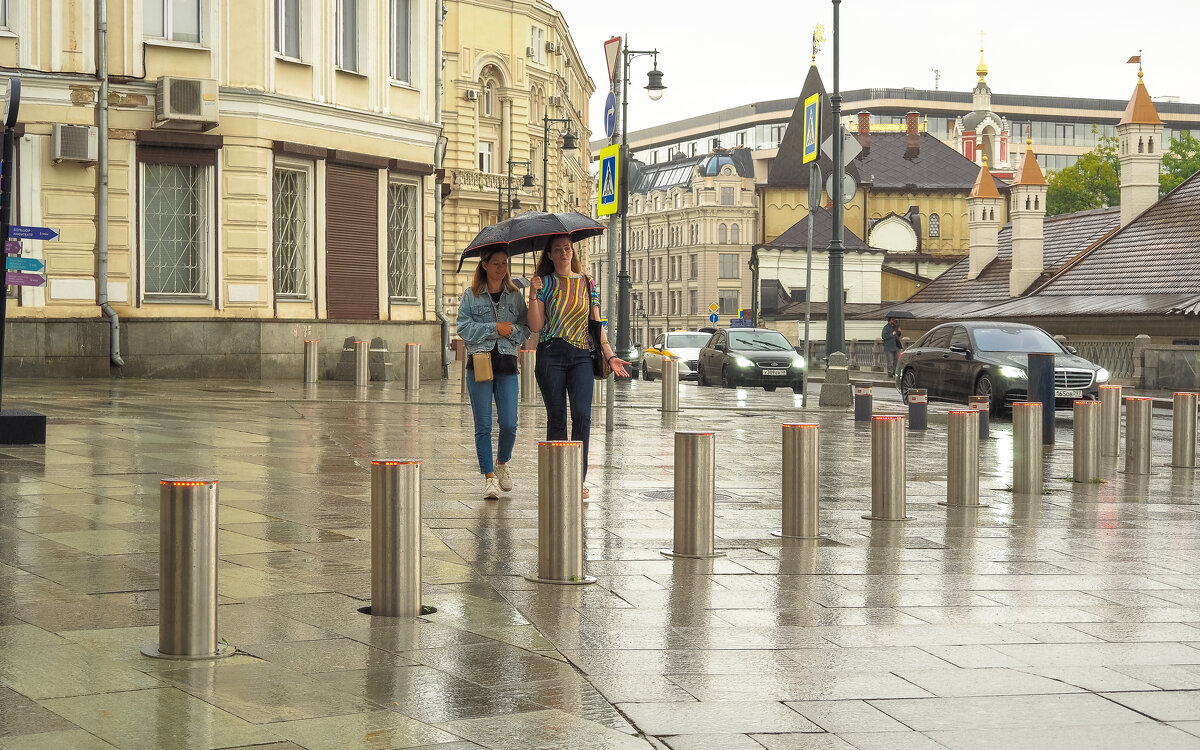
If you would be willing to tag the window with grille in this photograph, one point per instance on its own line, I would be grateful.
(287, 28)
(726, 196)
(727, 301)
(935, 225)
(176, 229)
(292, 241)
(176, 20)
(400, 57)
(403, 213)
(727, 266)
(347, 48)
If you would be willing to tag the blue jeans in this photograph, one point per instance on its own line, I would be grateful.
(563, 370)
(503, 390)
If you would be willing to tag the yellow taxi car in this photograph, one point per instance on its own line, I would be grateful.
(682, 345)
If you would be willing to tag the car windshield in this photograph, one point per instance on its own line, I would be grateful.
(686, 340)
(1015, 340)
(759, 341)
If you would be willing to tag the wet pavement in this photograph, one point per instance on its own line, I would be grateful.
(1069, 620)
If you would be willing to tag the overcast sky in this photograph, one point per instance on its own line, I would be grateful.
(715, 55)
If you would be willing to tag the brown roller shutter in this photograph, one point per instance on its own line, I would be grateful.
(352, 242)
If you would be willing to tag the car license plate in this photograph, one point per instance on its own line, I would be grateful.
(774, 372)
(1068, 393)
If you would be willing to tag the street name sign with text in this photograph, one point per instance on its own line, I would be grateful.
(18, 232)
(16, 278)
(23, 264)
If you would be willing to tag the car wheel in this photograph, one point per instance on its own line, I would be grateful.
(985, 387)
(646, 371)
(908, 383)
(798, 389)
(769, 388)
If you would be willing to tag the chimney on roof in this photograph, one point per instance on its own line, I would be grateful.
(912, 138)
(864, 130)
(1028, 211)
(982, 223)
(1139, 134)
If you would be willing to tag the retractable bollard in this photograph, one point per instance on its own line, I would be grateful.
(598, 393)
(1137, 434)
(560, 514)
(311, 358)
(1183, 431)
(801, 481)
(1085, 459)
(187, 562)
(983, 406)
(1110, 420)
(528, 382)
(918, 409)
(362, 369)
(1041, 390)
(1027, 448)
(888, 488)
(862, 403)
(395, 539)
(412, 367)
(670, 384)
(962, 466)
(695, 496)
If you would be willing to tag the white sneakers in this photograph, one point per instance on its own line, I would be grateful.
(504, 477)
(491, 488)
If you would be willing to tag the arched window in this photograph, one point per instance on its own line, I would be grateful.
(722, 234)
(1027, 203)
(935, 225)
(1141, 146)
(735, 234)
(1150, 146)
(488, 102)
(1035, 202)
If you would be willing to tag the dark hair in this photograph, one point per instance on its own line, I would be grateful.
(545, 266)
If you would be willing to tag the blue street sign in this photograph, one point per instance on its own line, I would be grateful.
(713, 318)
(739, 323)
(31, 233)
(24, 264)
(610, 115)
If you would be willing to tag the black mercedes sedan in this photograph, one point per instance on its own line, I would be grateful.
(755, 357)
(958, 360)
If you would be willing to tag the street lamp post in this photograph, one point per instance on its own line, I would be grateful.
(835, 323)
(654, 88)
(504, 193)
(568, 144)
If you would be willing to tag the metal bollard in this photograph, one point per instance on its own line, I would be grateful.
(695, 495)
(888, 488)
(1137, 434)
(395, 538)
(1110, 420)
(362, 370)
(1085, 460)
(801, 481)
(1041, 390)
(1027, 448)
(560, 513)
(412, 367)
(187, 562)
(311, 358)
(918, 409)
(982, 405)
(462, 381)
(862, 403)
(598, 393)
(1183, 431)
(670, 384)
(528, 383)
(962, 467)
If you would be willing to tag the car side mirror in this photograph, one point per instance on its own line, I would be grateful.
(1072, 350)
(960, 349)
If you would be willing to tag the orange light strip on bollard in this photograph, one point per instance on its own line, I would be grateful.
(1138, 398)
(311, 341)
(888, 416)
(1088, 401)
(805, 424)
(175, 483)
(559, 442)
(962, 411)
(407, 462)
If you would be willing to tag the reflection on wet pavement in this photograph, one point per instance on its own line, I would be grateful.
(1066, 620)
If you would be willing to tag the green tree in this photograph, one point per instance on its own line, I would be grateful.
(1093, 181)
(1180, 161)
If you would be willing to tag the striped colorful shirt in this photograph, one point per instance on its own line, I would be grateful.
(567, 309)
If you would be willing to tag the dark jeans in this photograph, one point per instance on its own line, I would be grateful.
(891, 357)
(563, 370)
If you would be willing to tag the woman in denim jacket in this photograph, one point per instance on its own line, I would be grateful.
(493, 317)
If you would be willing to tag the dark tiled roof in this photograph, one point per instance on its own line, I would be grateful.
(937, 166)
(788, 169)
(796, 236)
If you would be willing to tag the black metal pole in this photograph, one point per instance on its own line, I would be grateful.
(6, 186)
(623, 288)
(835, 324)
(545, 159)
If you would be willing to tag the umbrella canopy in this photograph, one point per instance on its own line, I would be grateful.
(527, 232)
(896, 313)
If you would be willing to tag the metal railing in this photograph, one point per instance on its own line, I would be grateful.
(1114, 356)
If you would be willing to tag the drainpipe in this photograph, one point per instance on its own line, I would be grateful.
(439, 158)
(114, 341)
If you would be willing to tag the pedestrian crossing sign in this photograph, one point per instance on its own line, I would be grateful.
(811, 127)
(610, 189)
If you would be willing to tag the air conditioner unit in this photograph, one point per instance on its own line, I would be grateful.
(73, 142)
(530, 51)
(551, 47)
(554, 101)
(186, 103)
(471, 95)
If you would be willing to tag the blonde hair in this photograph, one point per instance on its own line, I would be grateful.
(479, 281)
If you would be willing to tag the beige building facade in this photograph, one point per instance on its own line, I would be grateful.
(270, 177)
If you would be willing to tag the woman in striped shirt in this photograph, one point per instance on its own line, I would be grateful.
(561, 299)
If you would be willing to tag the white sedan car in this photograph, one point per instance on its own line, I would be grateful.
(682, 345)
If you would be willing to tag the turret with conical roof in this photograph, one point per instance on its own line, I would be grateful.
(1028, 211)
(984, 203)
(1139, 136)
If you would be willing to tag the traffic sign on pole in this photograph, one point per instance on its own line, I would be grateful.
(609, 181)
(16, 278)
(713, 307)
(23, 264)
(850, 146)
(713, 318)
(18, 232)
(612, 52)
(610, 115)
(811, 127)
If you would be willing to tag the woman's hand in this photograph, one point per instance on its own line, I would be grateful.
(504, 329)
(535, 286)
(618, 366)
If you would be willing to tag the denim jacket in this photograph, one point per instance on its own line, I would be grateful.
(477, 319)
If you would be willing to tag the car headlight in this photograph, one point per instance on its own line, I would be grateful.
(1012, 372)
(1102, 375)
(798, 362)
(742, 362)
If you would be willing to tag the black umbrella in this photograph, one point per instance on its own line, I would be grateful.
(527, 232)
(900, 314)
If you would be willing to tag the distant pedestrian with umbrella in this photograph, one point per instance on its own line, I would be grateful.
(891, 344)
(561, 301)
(493, 321)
